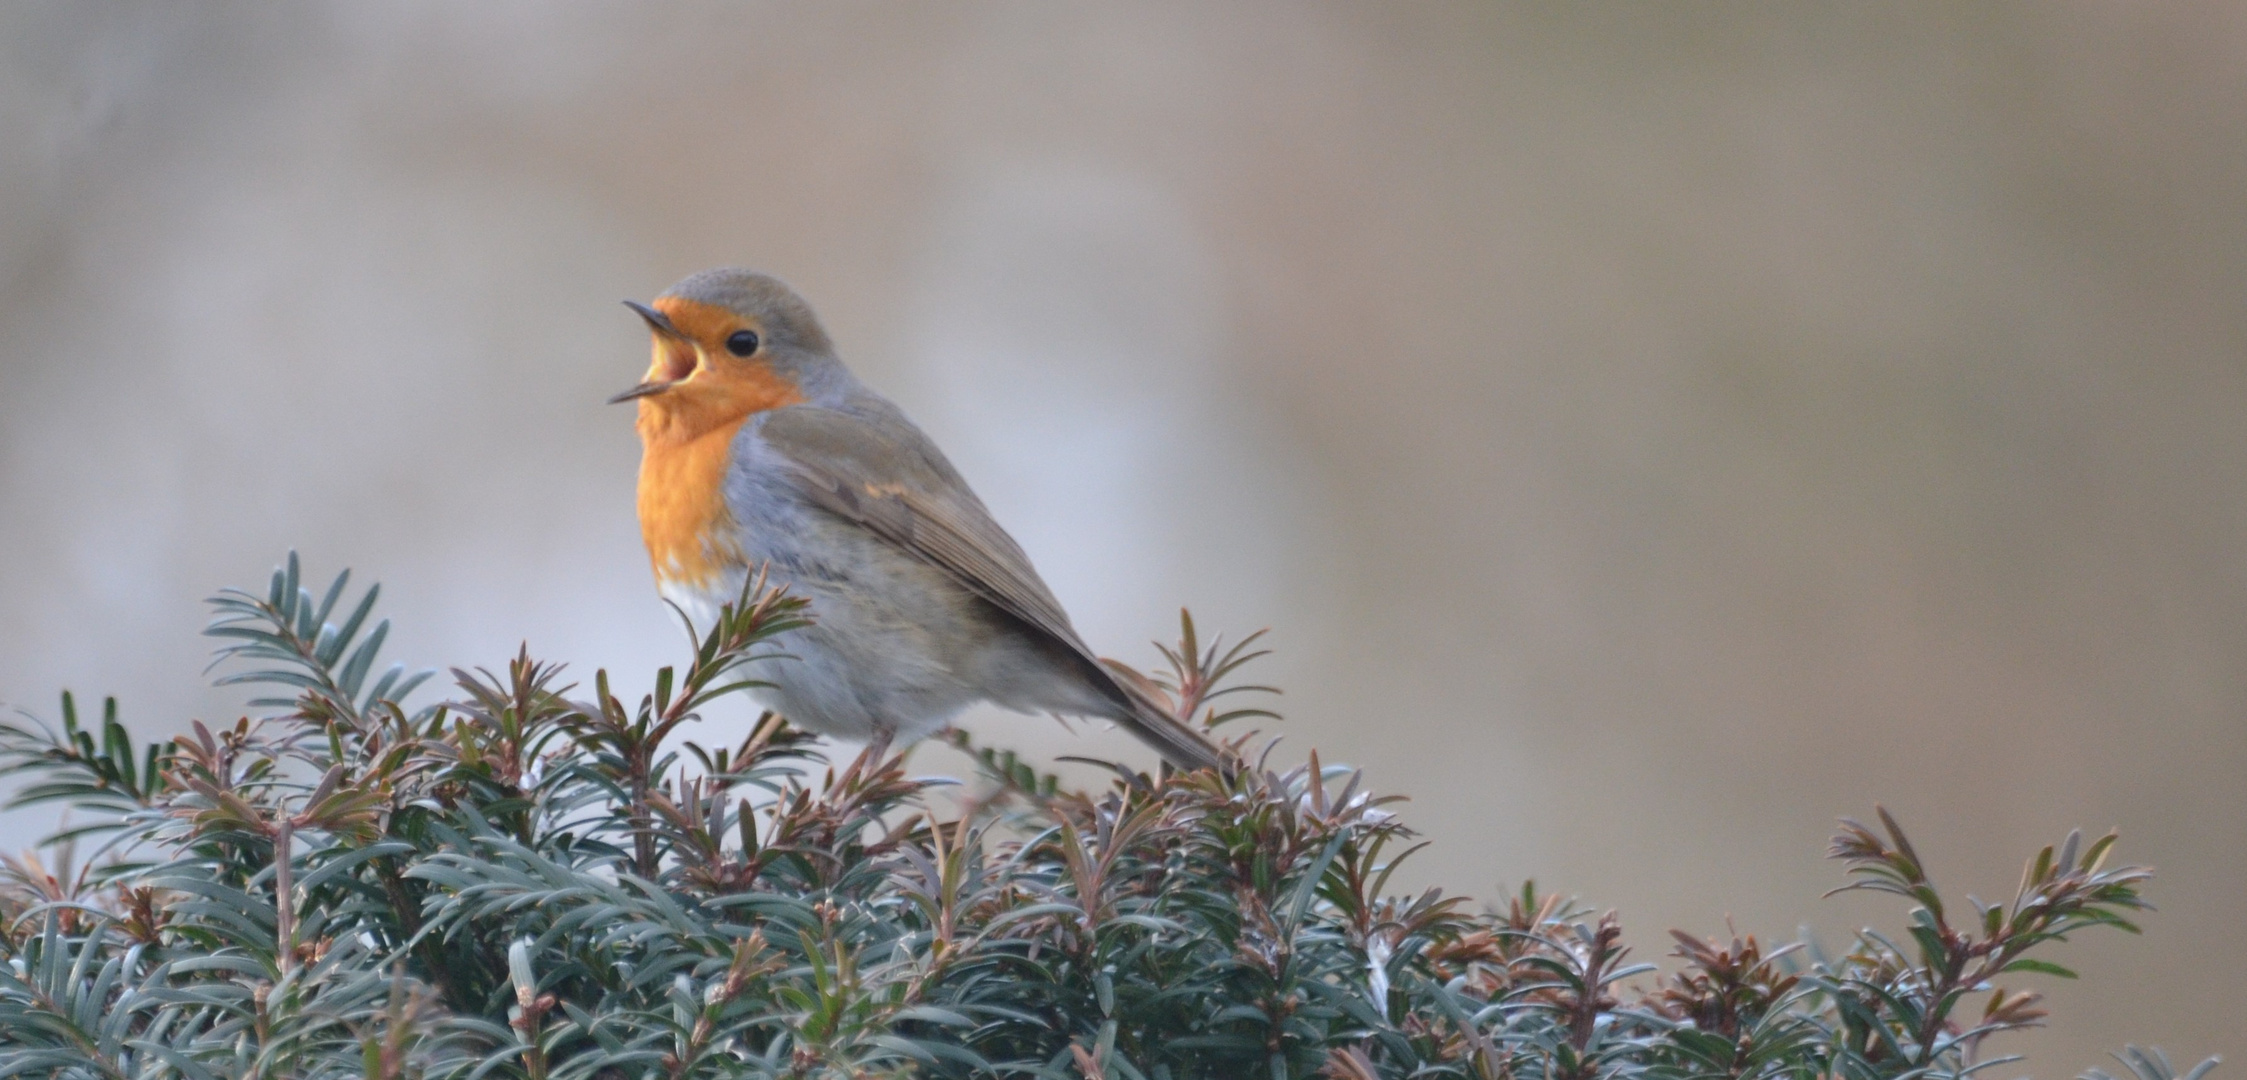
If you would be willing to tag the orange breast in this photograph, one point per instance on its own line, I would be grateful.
(686, 435)
(683, 515)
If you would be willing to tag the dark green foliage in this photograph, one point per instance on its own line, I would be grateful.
(521, 883)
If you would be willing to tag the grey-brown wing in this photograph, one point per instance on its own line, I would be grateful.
(873, 467)
(884, 474)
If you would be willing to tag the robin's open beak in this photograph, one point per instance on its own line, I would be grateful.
(678, 354)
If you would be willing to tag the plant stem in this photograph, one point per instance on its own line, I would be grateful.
(284, 893)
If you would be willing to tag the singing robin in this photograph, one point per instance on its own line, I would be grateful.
(761, 449)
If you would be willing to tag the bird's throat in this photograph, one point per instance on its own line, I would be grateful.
(686, 439)
(683, 515)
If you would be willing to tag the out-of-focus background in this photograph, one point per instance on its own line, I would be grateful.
(1650, 432)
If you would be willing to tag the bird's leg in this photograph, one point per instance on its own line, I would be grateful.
(878, 747)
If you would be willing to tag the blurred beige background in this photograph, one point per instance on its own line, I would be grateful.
(1651, 432)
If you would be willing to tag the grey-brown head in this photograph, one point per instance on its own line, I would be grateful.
(727, 343)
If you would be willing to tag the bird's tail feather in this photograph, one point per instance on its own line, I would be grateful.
(1150, 718)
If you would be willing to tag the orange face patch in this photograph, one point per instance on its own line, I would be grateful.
(686, 436)
(710, 387)
(707, 324)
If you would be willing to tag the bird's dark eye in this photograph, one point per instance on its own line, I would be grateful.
(742, 342)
